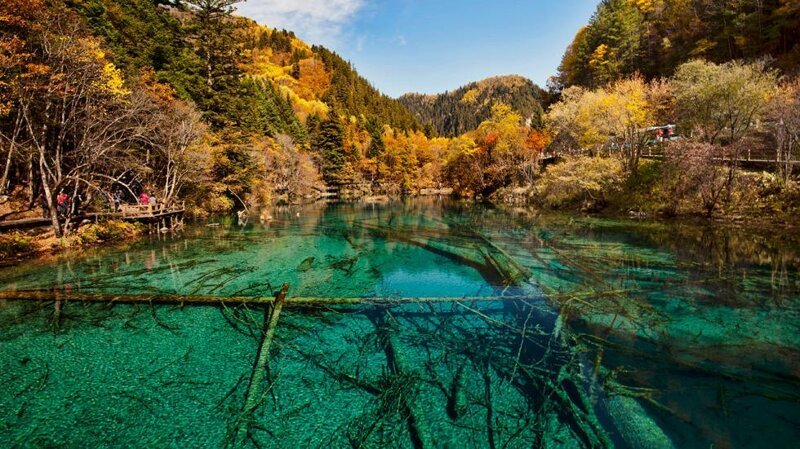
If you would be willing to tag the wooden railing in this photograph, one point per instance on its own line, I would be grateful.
(138, 210)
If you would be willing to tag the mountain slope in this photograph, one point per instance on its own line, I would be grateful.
(653, 37)
(154, 33)
(462, 110)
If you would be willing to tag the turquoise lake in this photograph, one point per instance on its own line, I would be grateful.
(423, 323)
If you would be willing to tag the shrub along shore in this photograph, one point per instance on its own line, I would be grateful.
(19, 245)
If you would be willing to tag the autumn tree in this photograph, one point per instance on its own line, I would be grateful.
(613, 118)
(18, 20)
(234, 168)
(530, 156)
(501, 141)
(722, 101)
(783, 122)
(170, 132)
(81, 126)
(75, 108)
(496, 160)
(691, 171)
(577, 115)
(290, 171)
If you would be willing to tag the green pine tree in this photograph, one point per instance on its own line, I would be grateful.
(376, 145)
(329, 142)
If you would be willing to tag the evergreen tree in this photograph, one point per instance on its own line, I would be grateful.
(376, 145)
(329, 142)
(296, 70)
(212, 32)
(213, 27)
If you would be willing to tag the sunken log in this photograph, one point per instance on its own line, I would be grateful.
(170, 298)
(418, 428)
(255, 394)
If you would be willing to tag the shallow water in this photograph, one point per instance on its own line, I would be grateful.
(612, 334)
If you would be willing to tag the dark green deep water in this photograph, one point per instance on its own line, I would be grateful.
(619, 334)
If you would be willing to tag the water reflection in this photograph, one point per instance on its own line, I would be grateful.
(619, 333)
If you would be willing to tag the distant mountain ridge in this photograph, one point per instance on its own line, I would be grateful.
(456, 112)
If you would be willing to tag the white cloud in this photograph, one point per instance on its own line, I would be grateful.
(315, 21)
(400, 40)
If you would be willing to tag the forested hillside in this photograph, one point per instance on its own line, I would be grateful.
(653, 37)
(185, 100)
(462, 110)
(665, 103)
(159, 34)
(106, 99)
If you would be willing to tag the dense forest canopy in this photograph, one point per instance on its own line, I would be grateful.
(653, 37)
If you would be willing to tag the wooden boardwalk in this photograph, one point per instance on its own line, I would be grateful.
(138, 214)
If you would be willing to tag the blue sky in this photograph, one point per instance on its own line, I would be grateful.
(432, 46)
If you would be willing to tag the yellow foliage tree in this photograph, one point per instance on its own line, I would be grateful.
(613, 117)
(470, 96)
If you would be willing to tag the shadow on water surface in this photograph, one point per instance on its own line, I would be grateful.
(614, 333)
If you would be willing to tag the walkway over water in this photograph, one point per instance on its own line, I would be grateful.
(138, 214)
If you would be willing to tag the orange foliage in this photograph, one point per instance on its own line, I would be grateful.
(160, 93)
(20, 13)
(314, 79)
(489, 140)
(537, 141)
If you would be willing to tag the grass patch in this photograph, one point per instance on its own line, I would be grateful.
(108, 231)
(16, 244)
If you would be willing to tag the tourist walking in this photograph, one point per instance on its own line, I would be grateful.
(152, 202)
(62, 203)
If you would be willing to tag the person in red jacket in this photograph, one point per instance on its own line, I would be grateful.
(63, 201)
(144, 198)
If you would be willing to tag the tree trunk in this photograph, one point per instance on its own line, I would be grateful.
(12, 145)
(254, 396)
(48, 195)
(31, 182)
(6, 171)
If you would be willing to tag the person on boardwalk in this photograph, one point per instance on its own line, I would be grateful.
(117, 198)
(152, 203)
(144, 198)
(62, 202)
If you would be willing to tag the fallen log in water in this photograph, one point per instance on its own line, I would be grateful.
(417, 426)
(171, 298)
(255, 395)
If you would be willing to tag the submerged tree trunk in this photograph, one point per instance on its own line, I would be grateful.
(417, 426)
(255, 395)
